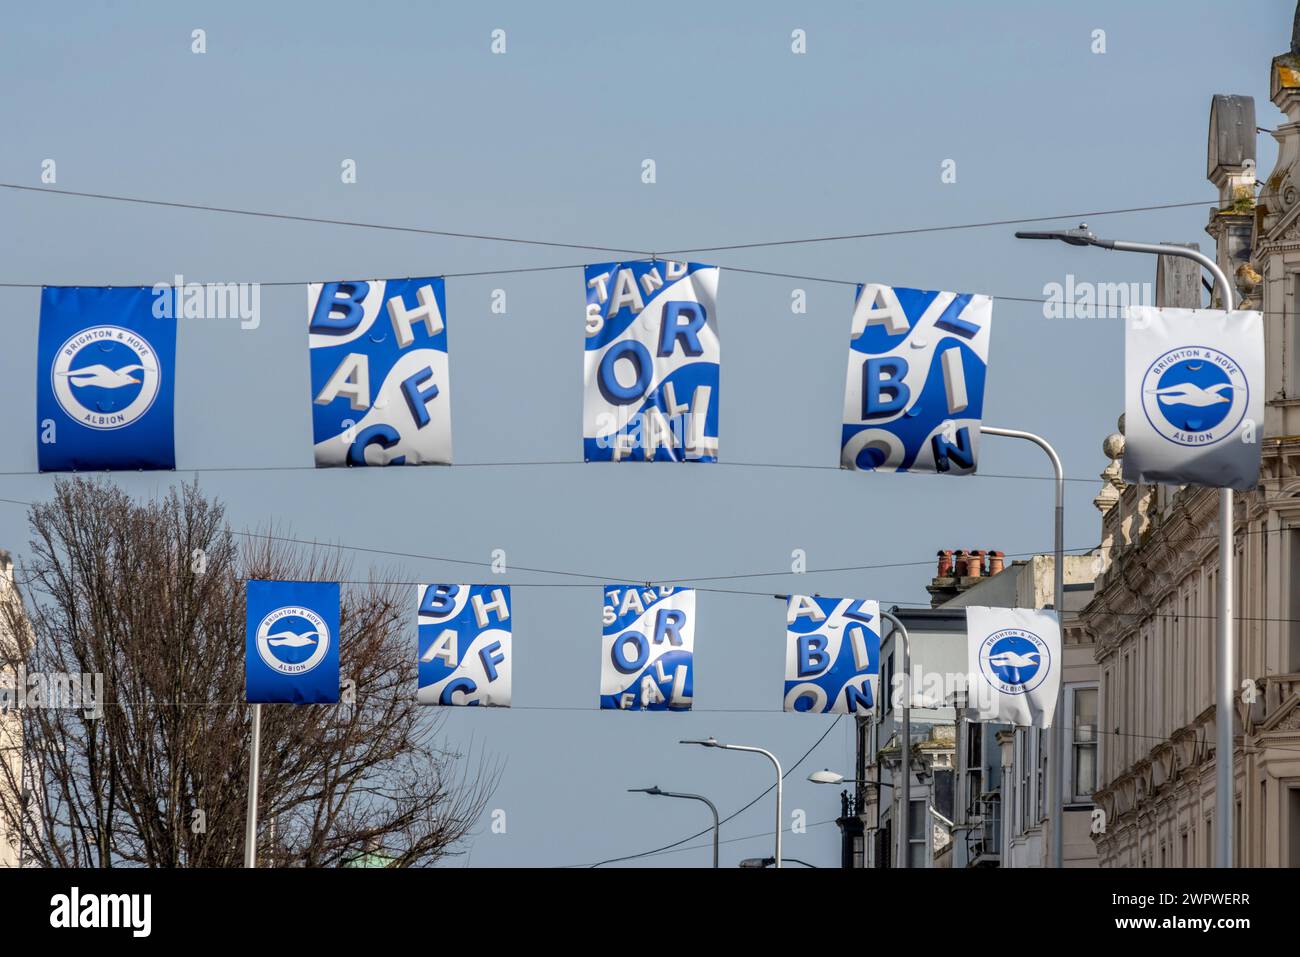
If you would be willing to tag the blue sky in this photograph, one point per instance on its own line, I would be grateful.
(751, 143)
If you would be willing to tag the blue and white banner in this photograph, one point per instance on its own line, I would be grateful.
(647, 652)
(464, 644)
(1014, 664)
(651, 363)
(832, 655)
(1193, 397)
(292, 650)
(915, 390)
(379, 383)
(106, 379)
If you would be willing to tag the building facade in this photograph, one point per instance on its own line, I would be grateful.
(1002, 812)
(1154, 609)
(11, 727)
(978, 792)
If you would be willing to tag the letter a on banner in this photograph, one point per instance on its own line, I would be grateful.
(651, 363)
(1193, 397)
(1014, 664)
(379, 383)
(464, 644)
(292, 652)
(832, 655)
(647, 652)
(915, 390)
(105, 382)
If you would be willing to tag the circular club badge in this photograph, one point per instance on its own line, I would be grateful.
(1195, 395)
(293, 640)
(105, 377)
(1014, 661)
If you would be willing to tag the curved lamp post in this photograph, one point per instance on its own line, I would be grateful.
(1223, 758)
(1056, 739)
(713, 743)
(655, 791)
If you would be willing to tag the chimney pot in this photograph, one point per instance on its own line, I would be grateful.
(996, 562)
(975, 563)
(945, 563)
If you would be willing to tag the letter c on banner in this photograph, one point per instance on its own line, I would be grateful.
(384, 436)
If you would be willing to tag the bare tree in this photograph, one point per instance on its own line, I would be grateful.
(150, 596)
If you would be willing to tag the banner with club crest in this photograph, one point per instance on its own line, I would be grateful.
(1014, 663)
(292, 642)
(464, 641)
(914, 396)
(647, 651)
(379, 380)
(650, 366)
(832, 655)
(1193, 397)
(106, 378)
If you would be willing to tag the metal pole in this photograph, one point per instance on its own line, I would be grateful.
(1224, 657)
(1056, 738)
(905, 743)
(254, 760)
(658, 792)
(776, 764)
(1224, 651)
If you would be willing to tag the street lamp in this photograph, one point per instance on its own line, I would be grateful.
(1056, 740)
(1083, 236)
(655, 791)
(827, 776)
(714, 743)
(757, 863)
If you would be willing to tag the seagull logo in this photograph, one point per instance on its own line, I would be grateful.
(1014, 663)
(1193, 396)
(103, 377)
(291, 640)
(1188, 393)
(106, 377)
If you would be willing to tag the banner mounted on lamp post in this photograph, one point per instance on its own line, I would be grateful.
(1014, 664)
(914, 396)
(106, 378)
(464, 645)
(647, 651)
(650, 365)
(832, 655)
(292, 643)
(379, 381)
(1193, 397)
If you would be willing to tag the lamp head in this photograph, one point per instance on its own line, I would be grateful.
(1083, 236)
(826, 776)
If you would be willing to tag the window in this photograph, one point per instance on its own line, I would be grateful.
(888, 687)
(1293, 826)
(1293, 627)
(1081, 707)
(916, 843)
